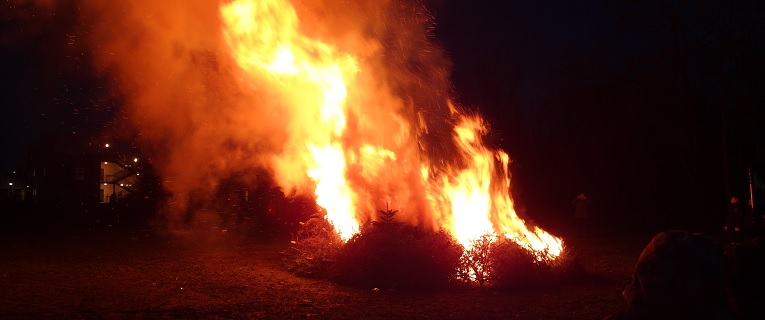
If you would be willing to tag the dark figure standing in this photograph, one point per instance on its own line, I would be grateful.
(736, 220)
(581, 213)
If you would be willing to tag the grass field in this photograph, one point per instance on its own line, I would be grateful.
(60, 271)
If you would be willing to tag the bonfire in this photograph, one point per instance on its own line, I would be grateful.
(348, 103)
(356, 143)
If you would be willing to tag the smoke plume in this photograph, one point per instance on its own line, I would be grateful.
(202, 121)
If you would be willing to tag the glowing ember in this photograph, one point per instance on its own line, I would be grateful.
(353, 144)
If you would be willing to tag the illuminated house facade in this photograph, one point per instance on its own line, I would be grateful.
(62, 169)
(117, 180)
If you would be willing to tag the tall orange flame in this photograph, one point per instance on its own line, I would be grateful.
(265, 41)
(352, 146)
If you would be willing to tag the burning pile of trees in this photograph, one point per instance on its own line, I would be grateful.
(388, 254)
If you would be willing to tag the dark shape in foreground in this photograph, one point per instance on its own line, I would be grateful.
(682, 275)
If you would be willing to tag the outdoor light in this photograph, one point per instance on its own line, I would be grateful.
(135, 159)
(106, 162)
(10, 183)
(107, 145)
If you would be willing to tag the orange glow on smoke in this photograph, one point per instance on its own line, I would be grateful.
(351, 144)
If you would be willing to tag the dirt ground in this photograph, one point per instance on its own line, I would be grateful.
(63, 272)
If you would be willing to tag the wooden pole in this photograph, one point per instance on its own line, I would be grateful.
(751, 190)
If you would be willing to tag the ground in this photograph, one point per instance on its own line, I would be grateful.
(63, 272)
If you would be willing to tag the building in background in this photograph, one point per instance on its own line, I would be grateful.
(72, 170)
(118, 180)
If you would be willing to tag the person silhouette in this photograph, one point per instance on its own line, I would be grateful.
(581, 213)
(735, 220)
(581, 206)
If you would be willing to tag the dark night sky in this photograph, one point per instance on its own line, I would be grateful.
(47, 86)
(652, 108)
(648, 107)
